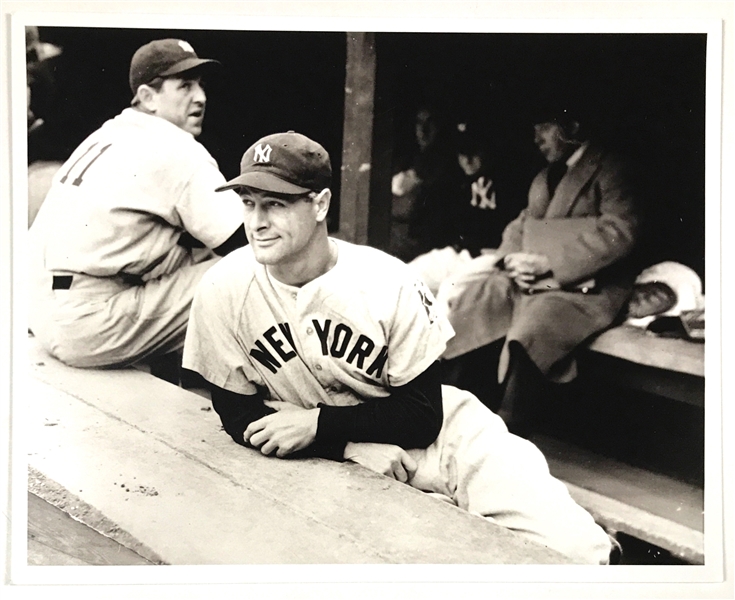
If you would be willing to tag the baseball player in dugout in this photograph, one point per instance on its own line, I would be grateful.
(132, 222)
(314, 346)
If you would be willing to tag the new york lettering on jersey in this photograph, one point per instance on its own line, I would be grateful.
(275, 347)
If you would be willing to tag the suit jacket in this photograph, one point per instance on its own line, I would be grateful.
(597, 190)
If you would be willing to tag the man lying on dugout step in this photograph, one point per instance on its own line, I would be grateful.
(317, 347)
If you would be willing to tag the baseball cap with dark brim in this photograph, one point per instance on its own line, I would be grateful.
(187, 65)
(283, 163)
(163, 58)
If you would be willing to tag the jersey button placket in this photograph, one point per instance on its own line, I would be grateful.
(311, 354)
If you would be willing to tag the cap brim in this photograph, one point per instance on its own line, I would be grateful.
(266, 182)
(187, 64)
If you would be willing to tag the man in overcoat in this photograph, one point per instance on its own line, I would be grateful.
(563, 272)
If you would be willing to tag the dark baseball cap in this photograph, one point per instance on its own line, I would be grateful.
(284, 163)
(163, 58)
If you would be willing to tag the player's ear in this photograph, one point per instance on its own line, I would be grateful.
(146, 96)
(321, 204)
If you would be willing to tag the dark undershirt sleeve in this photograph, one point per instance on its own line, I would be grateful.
(410, 417)
(237, 411)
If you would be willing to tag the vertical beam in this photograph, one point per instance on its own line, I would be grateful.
(364, 214)
(381, 196)
(357, 137)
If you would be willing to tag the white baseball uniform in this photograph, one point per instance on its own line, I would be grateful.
(115, 212)
(347, 336)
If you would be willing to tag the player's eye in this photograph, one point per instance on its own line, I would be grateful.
(247, 203)
(276, 204)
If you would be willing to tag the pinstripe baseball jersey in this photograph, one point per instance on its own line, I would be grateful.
(122, 200)
(363, 326)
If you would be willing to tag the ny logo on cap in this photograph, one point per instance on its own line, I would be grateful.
(262, 154)
(186, 46)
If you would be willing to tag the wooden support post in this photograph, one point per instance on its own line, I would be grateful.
(366, 149)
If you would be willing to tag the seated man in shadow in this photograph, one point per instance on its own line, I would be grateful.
(562, 273)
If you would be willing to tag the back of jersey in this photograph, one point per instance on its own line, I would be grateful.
(111, 207)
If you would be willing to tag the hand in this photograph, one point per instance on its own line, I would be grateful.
(404, 182)
(385, 459)
(288, 430)
(526, 266)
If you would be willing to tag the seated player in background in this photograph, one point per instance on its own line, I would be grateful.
(132, 222)
(474, 212)
(426, 175)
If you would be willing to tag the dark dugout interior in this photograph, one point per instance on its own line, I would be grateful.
(640, 94)
(643, 94)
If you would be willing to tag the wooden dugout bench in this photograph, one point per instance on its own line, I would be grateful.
(668, 367)
(145, 463)
(646, 505)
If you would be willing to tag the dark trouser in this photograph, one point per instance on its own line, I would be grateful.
(526, 393)
(521, 400)
(477, 372)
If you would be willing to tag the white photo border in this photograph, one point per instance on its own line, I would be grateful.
(506, 580)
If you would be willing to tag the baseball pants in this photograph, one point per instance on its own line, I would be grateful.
(482, 468)
(104, 322)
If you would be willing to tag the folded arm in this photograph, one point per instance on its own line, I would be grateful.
(410, 417)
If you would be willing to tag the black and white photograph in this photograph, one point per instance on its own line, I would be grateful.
(354, 299)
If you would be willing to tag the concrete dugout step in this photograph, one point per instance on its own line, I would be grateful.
(151, 459)
(648, 506)
(55, 538)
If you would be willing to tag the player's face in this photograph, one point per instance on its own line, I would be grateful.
(181, 101)
(469, 163)
(281, 232)
(651, 298)
(551, 141)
